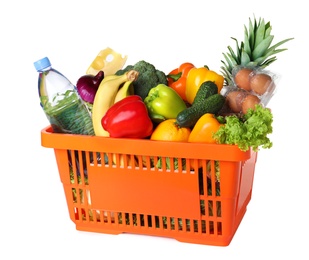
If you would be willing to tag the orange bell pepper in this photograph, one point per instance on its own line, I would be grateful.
(196, 77)
(204, 129)
(177, 79)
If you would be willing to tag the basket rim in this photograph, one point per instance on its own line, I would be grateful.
(143, 147)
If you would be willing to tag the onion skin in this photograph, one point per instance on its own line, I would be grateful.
(87, 86)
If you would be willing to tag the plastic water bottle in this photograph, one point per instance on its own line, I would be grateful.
(64, 108)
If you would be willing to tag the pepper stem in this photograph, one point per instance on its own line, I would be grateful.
(175, 77)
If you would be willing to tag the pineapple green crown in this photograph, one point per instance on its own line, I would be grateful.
(254, 51)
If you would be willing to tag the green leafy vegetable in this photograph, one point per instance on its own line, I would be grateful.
(159, 164)
(149, 77)
(251, 130)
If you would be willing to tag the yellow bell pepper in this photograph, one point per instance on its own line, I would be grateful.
(197, 76)
(204, 129)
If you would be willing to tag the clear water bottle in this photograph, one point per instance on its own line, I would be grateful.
(64, 108)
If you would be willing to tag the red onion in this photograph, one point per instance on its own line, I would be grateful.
(87, 86)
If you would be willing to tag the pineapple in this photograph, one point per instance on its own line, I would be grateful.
(254, 51)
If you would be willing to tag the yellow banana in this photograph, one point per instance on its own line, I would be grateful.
(125, 91)
(105, 97)
(120, 161)
(108, 77)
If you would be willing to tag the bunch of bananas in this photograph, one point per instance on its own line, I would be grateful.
(112, 88)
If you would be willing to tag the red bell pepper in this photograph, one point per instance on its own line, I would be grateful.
(128, 118)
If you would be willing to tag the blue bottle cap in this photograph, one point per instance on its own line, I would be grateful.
(42, 64)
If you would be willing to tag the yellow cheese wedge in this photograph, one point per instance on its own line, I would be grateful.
(107, 60)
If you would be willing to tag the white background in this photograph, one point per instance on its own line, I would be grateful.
(34, 221)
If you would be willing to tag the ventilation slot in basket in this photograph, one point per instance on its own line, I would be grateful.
(208, 184)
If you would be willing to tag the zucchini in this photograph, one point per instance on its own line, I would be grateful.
(207, 89)
(188, 117)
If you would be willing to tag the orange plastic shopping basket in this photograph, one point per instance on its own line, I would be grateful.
(195, 193)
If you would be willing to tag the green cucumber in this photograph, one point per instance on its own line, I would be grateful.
(188, 117)
(207, 89)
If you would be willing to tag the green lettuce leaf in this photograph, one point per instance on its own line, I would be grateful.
(251, 130)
